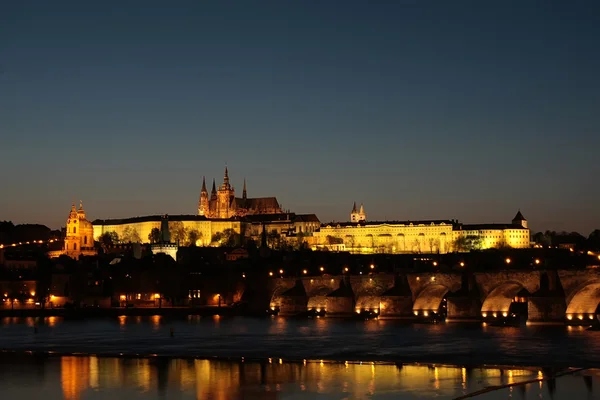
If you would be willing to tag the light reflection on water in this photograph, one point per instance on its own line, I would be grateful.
(333, 339)
(74, 378)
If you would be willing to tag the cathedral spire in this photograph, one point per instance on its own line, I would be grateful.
(244, 191)
(354, 208)
(204, 185)
(226, 178)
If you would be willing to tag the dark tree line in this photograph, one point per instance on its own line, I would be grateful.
(553, 238)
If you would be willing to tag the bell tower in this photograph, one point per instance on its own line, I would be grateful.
(354, 214)
(72, 236)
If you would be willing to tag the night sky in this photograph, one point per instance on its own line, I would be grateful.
(420, 109)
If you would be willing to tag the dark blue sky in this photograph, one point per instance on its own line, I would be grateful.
(420, 109)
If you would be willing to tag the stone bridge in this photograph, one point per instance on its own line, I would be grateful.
(549, 295)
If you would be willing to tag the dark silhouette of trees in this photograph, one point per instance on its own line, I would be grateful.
(193, 236)
(108, 239)
(154, 236)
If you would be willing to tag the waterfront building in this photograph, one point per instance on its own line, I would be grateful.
(431, 236)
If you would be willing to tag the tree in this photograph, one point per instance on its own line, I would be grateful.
(474, 242)
(227, 238)
(232, 238)
(131, 235)
(108, 239)
(217, 238)
(155, 235)
(178, 232)
(467, 243)
(593, 241)
(351, 242)
(193, 236)
(434, 244)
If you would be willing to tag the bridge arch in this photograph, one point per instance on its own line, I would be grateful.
(584, 301)
(501, 297)
(430, 298)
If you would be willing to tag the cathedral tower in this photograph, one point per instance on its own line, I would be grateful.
(362, 216)
(203, 205)
(225, 198)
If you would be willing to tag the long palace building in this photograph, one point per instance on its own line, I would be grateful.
(222, 211)
(431, 236)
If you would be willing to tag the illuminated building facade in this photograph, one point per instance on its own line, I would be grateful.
(223, 204)
(433, 236)
(79, 239)
(140, 227)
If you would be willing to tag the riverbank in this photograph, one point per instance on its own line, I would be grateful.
(92, 312)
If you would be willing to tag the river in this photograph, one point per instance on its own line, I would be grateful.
(230, 358)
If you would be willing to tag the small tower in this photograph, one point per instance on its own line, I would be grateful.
(354, 213)
(164, 246)
(203, 205)
(519, 219)
(244, 195)
(362, 216)
(81, 211)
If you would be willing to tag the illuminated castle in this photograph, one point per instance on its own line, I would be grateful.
(223, 204)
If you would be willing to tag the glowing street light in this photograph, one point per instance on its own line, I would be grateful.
(372, 266)
(435, 263)
(346, 269)
(537, 260)
(281, 271)
(508, 260)
(462, 264)
(321, 269)
(304, 271)
(270, 273)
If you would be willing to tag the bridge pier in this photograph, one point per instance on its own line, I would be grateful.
(463, 308)
(546, 309)
(340, 302)
(396, 307)
(397, 301)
